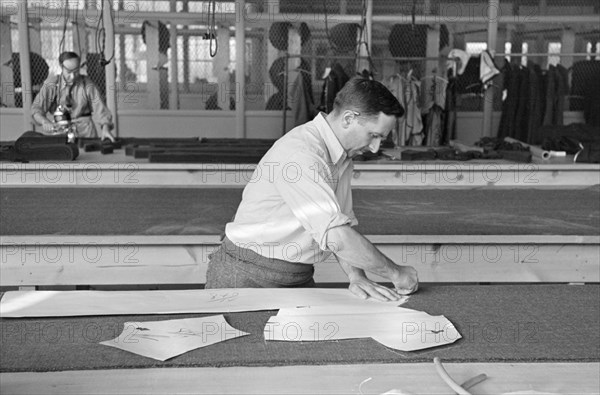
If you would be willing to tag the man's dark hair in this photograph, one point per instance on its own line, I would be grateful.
(368, 97)
(66, 56)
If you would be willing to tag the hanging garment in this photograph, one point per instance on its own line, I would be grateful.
(487, 69)
(433, 129)
(557, 87)
(436, 94)
(409, 128)
(562, 90)
(433, 108)
(302, 99)
(514, 99)
(551, 100)
(457, 67)
(535, 103)
(585, 90)
(522, 114)
(334, 82)
(507, 99)
(449, 129)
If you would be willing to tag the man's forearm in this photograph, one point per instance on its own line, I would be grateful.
(40, 118)
(353, 249)
(352, 272)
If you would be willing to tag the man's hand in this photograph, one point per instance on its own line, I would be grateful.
(365, 288)
(405, 280)
(356, 254)
(106, 134)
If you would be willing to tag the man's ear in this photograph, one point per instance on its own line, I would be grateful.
(347, 118)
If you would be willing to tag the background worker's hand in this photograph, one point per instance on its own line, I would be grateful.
(48, 126)
(106, 134)
(405, 280)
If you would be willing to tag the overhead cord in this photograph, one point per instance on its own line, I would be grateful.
(331, 43)
(364, 40)
(101, 36)
(61, 45)
(77, 28)
(211, 28)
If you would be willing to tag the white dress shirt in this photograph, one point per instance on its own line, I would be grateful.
(298, 192)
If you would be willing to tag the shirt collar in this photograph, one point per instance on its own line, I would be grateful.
(336, 151)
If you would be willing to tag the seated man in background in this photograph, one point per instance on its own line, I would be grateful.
(297, 208)
(78, 95)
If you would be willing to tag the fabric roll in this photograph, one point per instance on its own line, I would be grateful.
(34, 146)
(411, 155)
(7, 152)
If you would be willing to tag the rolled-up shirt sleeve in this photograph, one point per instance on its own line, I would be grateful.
(43, 100)
(305, 184)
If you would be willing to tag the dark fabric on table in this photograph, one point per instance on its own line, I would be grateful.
(498, 323)
(205, 211)
(417, 155)
(34, 146)
(206, 157)
(516, 156)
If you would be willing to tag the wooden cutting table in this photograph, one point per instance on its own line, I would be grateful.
(129, 240)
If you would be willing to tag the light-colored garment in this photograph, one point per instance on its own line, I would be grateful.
(87, 101)
(457, 61)
(298, 192)
(433, 107)
(433, 129)
(409, 129)
(434, 92)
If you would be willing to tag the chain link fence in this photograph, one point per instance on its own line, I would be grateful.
(278, 50)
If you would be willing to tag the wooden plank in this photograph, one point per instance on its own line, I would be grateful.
(294, 49)
(174, 63)
(152, 66)
(41, 240)
(93, 265)
(77, 263)
(117, 170)
(572, 378)
(221, 67)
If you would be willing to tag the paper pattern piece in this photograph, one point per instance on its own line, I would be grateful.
(166, 339)
(405, 331)
(336, 310)
(79, 303)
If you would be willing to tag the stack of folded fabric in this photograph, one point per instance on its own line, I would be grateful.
(34, 146)
(410, 155)
(513, 151)
(95, 144)
(205, 150)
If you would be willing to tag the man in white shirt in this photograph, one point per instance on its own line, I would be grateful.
(297, 208)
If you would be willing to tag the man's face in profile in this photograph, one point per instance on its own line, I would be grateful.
(70, 70)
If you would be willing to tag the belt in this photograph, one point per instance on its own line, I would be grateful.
(82, 118)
